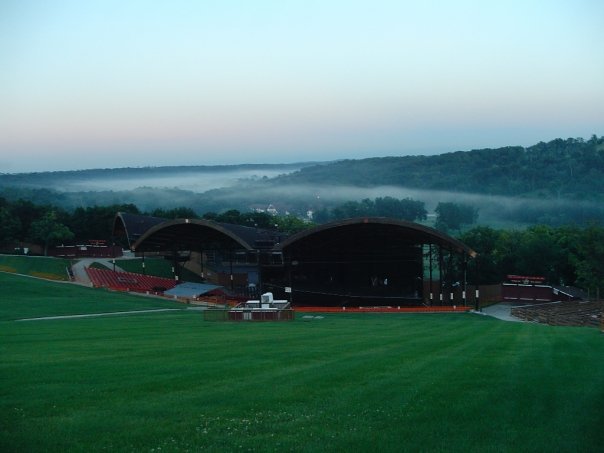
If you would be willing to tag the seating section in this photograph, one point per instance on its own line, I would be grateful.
(128, 281)
(571, 313)
(402, 309)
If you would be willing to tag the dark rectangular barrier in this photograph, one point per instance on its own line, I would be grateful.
(248, 315)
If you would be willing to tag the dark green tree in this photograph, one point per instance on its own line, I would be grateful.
(405, 209)
(453, 216)
(176, 213)
(27, 212)
(49, 231)
(484, 241)
(589, 258)
(10, 227)
(292, 224)
(539, 253)
(95, 222)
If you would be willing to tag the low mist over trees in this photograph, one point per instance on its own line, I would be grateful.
(406, 209)
(568, 168)
(287, 224)
(176, 213)
(550, 197)
(453, 216)
(555, 183)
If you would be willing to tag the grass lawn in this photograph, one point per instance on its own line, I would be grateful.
(24, 297)
(355, 382)
(38, 266)
(158, 267)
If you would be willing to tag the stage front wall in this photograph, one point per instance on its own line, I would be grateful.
(359, 266)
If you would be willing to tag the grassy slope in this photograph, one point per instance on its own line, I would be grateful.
(158, 267)
(54, 268)
(24, 297)
(342, 383)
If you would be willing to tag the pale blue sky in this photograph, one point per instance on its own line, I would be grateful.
(87, 84)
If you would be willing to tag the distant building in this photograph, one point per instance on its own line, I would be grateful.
(272, 210)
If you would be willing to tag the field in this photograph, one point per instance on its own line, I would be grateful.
(158, 267)
(169, 381)
(39, 266)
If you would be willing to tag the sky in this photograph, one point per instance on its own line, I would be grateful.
(105, 84)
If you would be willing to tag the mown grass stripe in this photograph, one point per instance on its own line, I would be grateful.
(386, 382)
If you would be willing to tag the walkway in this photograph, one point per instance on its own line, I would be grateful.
(501, 311)
(96, 315)
(79, 268)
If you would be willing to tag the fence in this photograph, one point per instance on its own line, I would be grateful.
(249, 315)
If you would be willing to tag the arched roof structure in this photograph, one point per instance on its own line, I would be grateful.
(371, 260)
(133, 226)
(389, 230)
(200, 234)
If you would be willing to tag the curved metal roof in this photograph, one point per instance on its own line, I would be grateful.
(146, 233)
(413, 232)
(196, 234)
(133, 226)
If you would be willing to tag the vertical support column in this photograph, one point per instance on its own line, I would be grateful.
(231, 267)
(175, 264)
(440, 273)
(431, 282)
(260, 270)
(450, 274)
(465, 279)
(477, 284)
(143, 264)
(113, 255)
(290, 281)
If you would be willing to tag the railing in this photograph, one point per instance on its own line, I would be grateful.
(574, 313)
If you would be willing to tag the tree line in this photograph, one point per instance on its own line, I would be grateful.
(553, 183)
(566, 255)
(405, 209)
(47, 225)
(571, 168)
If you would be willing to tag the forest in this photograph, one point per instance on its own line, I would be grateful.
(555, 183)
(571, 168)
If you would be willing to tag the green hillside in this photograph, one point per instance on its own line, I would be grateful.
(554, 183)
(572, 168)
(169, 381)
(45, 267)
(24, 297)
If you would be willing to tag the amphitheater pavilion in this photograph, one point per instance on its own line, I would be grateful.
(352, 262)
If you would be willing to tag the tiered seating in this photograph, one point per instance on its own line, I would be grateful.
(571, 313)
(127, 281)
(402, 309)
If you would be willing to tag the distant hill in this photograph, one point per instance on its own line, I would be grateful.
(571, 168)
(553, 183)
(58, 179)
